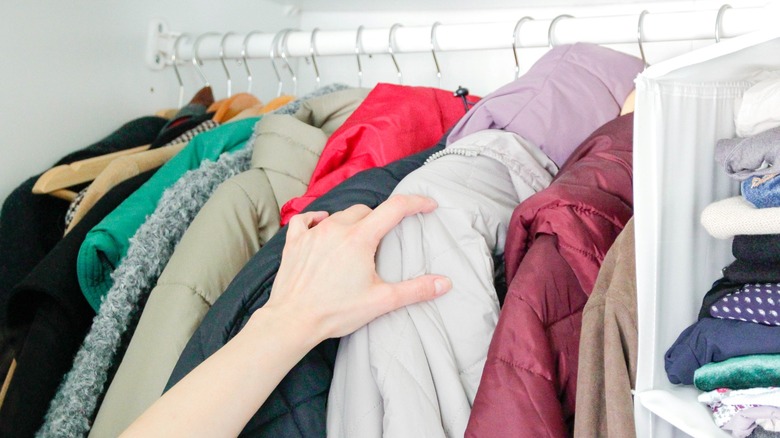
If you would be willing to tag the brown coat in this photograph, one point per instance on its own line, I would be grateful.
(608, 347)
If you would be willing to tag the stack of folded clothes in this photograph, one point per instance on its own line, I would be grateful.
(733, 350)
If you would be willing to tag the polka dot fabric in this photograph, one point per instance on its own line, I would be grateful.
(758, 303)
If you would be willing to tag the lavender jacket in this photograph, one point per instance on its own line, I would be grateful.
(568, 91)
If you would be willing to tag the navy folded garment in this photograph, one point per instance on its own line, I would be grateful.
(715, 340)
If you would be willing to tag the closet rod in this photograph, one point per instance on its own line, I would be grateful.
(657, 27)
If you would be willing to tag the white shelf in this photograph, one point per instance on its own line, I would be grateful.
(680, 407)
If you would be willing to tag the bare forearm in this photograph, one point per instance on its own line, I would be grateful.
(222, 394)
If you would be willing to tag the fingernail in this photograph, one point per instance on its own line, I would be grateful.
(442, 285)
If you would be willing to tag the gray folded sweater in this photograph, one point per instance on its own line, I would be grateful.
(749, 156)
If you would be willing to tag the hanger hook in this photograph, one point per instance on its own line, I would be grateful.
(246, 63)
(434, 46)
(224, 65)
(196, 61)
(551, 29)
(272, 55)
(358, 52)
(391, 51)
(514, 42)
(313, 54)
(719, 20)
(283, 44)
(640, 27)
(174, 62)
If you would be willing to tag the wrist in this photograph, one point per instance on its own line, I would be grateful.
(297, 331)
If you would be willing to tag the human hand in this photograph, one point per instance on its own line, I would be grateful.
(327, 279)
(326, 287)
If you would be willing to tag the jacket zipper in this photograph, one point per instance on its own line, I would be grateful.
(452, 151)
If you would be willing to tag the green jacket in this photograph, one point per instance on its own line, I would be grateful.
(107, 243)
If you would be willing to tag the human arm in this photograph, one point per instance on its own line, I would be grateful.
(326, 287)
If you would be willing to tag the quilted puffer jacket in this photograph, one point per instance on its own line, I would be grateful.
(296, 408)
(393, 122)
(556, 242)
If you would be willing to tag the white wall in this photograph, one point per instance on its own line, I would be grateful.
(73, 71)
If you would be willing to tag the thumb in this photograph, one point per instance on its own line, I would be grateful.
(415, 290)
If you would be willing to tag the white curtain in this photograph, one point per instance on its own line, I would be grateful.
(683, 107)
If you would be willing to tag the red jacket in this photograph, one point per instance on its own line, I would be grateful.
(556, 242)
(394, 121)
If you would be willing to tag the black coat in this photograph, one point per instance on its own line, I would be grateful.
(30, 225)
(297, 407)
(48, 318)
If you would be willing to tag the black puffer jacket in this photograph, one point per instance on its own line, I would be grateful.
(296, 408)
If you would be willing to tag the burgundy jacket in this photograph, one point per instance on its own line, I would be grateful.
(556, 242)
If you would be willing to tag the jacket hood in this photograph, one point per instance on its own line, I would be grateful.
(567, 94)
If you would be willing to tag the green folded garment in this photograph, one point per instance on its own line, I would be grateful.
(742, 372)
(107, 243)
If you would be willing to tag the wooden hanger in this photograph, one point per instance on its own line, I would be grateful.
(122, 169)
(260, 109)
(253, 111)
(7, 381)
(55, 180)
(277, 103)
(168, 113)
(215, 106)
(233, 105)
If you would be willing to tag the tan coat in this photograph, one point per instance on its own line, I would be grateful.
(231, 227)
